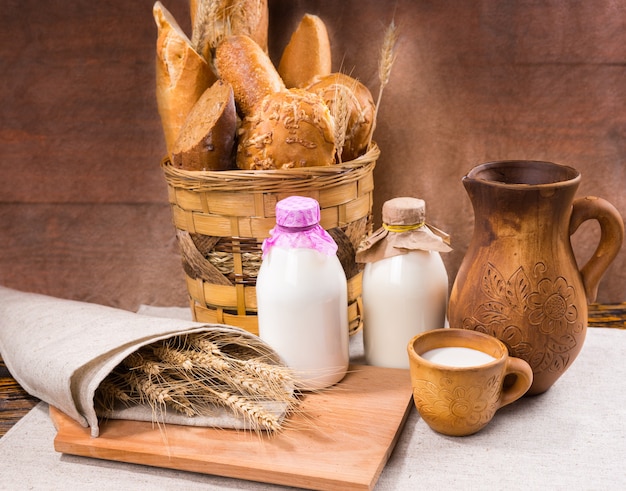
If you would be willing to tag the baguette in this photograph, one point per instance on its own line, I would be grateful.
(243, 64)
(289, 129)
(182, 75)
(207, 139)
(360, 108)
(307, 56)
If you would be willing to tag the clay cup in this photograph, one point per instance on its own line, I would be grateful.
(458, 387)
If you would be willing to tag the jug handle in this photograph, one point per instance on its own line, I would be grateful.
(611, 238)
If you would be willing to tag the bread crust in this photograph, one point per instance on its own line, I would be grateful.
(307, 56)
(290, 129)
(242, 63)
(182, 75)
(361, 110)
(207, 139)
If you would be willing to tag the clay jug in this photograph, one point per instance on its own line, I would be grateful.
(519, 280)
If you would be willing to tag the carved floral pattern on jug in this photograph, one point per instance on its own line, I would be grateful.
(517, 306)
(458, 405)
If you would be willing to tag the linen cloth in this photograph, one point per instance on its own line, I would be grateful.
(61, 350)
(573, 437)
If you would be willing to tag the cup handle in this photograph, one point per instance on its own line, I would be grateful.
(611, 238)
(523, 380)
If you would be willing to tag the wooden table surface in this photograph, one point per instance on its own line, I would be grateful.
(15, 402)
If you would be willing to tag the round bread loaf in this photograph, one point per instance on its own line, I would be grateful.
(243, 64)
(360, 107)
(207, 139)
(307, 56)
(289, 129)
(182, 75)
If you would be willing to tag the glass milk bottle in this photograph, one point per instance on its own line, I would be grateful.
(405, 283)
(302, 295)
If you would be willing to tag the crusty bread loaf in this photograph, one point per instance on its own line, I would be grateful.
(291, 128)
(213, 20)
(242, 63)
(307, 56)
(182, 75)
(207, 139)
(360, 106)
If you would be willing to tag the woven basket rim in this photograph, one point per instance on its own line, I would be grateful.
(242, 180)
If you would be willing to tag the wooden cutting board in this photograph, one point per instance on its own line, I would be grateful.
(341, 440)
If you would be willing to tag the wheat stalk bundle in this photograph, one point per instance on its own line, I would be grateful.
(214, 20)
(197, 373)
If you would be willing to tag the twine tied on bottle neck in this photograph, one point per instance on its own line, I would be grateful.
(399, 229)
(393, 240)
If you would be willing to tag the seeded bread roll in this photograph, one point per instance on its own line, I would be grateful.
(289, 129)
(215, 19)
(182, 75)
(307, 56)
(242, 63)
(207, 140)
(360, 107)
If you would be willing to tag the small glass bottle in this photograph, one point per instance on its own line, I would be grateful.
(405, 283)
(302, 296)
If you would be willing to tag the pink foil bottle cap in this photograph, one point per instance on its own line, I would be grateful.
(297, 226)
(297, 212)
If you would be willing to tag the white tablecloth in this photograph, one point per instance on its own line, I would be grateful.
(573, 437)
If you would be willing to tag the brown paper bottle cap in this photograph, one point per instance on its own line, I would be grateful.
(404, 211)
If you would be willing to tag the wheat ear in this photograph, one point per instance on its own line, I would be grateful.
(200, 29)
(173, 357)
(341, 115)
(109, 393)
(386, 61)
(253, 413)
(144, 361)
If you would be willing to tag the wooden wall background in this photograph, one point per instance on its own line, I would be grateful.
(83, 210)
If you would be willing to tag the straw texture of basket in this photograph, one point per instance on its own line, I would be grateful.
(222, 217)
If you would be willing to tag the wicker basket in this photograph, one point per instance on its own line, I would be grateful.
(222, 217)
